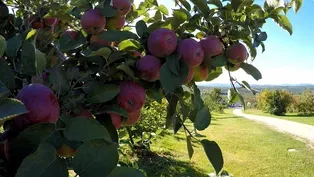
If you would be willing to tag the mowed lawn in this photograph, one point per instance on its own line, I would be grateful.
(289, 116)
(249, 149)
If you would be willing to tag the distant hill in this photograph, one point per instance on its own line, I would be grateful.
(294, 88)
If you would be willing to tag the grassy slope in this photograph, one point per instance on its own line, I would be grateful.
(249, 149)
(288, 116)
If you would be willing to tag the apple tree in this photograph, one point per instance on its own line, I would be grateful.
(73, 73)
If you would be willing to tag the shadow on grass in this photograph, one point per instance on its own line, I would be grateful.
(156, 165)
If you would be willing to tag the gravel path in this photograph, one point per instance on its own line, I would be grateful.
(297, 129)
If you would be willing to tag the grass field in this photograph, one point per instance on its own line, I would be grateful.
(249, 149)
(289, 116)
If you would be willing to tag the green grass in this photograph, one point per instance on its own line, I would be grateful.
(289, 116)
(249, 149)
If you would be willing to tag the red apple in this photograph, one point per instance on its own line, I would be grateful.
(98, 41)
(93, 22)
(191, 52)
(148, 68)
(133, 118)
(212, 47)
(132, 96)
(236, 53)
(115, 23)
(123, 7)
(41, 103)
(50, 21)
(86, 113)
(190, 76)
(200, 73)
(162, 42)
(116, 120)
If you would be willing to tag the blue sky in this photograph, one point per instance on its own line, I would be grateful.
(287, 59)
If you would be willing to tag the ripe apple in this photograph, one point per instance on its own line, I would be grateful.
(50, 21)
(191, 52)
(98, 41)
(132, 96)
(190, 76)
(93, 22)
(37, 79)
(123, 7)
(115, 23)
(41, 103)
(212, 47)
(148, 68)
(162, 42)
(236, 53)
(133, 118)
(86, 113)
(116, 120)
(200, 73)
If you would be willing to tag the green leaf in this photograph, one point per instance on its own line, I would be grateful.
(189, 146)
(67, 43)
(4, 91)
(37, 163)
(40, 62)
(3, 45)
(117, 109)
(248, 87)
(10, 108)
(186, 4)
(261, 37)
(283, 22)
(174, 63)
(171, 81)
(129, 44)
(296, 4)
(214, 74)
(176, 121)
(200, 35)
(217, 3)
(202, 6)
(28, 58)
(263, 47)
(214, 154)
(197, 101)
(59, 80)
(126, 172)
(241, 99)
(233, 97)
(6, 75)
(13, 46)
(273, 4)
(181, 15)
(103, 93)
(113, 35)
(108, 11)
(156, 94)
(141, 28)
(75, 126)
(203, 119)
(163, 9)
(239, 4)
(219, 61)
(251, 70)
(57, 168)
(94, 158)
(29, 140)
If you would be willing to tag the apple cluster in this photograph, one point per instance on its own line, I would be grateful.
(197, 55)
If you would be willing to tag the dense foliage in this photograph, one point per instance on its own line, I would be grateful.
(274, 101)
(74, 73)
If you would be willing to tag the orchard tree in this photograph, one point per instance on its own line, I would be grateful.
(73, 73)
